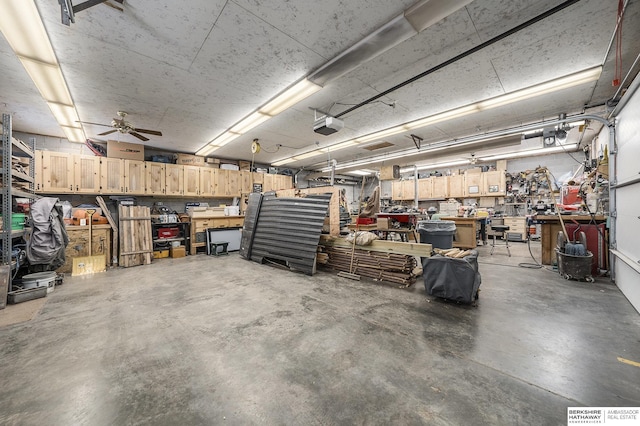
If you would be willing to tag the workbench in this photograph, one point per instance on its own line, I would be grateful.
(467, 228)
(199, 226)
(549, 233)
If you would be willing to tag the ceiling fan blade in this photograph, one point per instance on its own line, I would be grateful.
(139, 136)
(94, 124)
(107, 132)
(150, 132)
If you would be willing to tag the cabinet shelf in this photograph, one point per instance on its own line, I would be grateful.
(168, 240)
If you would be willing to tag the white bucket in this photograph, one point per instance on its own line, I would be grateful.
(40, 279)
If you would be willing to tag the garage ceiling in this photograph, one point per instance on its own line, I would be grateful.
(194, 69)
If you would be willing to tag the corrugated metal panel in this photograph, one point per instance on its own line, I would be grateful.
(250, 218)
(287, 231)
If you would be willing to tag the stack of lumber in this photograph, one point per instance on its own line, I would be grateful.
(136, 243)
(390, 261)
(455, 253)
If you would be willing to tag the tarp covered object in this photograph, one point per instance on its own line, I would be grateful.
(453, 279)
(49, 237)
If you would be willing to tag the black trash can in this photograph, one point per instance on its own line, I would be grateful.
(438, 233)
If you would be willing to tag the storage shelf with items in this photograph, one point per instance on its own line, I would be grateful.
(17, 174)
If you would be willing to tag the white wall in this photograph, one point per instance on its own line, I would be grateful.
(627, 205)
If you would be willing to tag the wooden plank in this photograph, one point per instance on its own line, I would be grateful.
(114, 228)
(397, 247)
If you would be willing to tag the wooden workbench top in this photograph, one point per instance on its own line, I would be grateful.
(570, 217)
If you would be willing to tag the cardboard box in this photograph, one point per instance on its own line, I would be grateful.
(159, 254)
(244, 165)
(179, 251)
(190, 160)
(389, 172)
(128, 151)
(383, 223)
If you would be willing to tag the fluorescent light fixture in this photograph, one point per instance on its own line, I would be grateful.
(290, 97)
(435, 165)
(444, 116)
(585, 76)
(363, 172)
(571, 80)
(531, 152)
(428, 12)
(218, 142)
(24, 30)
(74, 134)
(281, 162)
(307, 155)
(22, 27)
(342, 145)
(249, 122)
(381, 134)
(65, 115)
(49, 81)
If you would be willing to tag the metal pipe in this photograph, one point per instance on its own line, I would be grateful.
(415, 187)
(333, 171)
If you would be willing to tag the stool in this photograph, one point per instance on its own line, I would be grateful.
(213, 248)
(502, 229)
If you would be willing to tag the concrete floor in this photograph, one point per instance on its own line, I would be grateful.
(205, 340)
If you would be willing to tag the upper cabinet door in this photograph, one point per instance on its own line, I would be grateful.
(233, 183)
(456, 186)
(112, 176)
(134, 177)
(425, 189)
(155, 178)
(174, 179)
(473, 184)
(494, 183)
(57, 172)
(245, 182)
(192, 180)
(86, 174)
(206, 182)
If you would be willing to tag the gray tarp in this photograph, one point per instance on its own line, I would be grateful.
(49, 237)
(453, 279)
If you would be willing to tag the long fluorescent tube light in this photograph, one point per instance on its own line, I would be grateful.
(435, 165)
(74, 134)
(306, 155)
(362, 172)
(290, 97)
(283, 101)
(281, 162)
(22, 27)
(49, 81)
(530, 152)
(65, 115)
(571, 80)
(249, 122)
(24, 30)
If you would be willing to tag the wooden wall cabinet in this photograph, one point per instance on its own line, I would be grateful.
(246, 184)
(456, 186)
(440, 187)
(57, 172)
(155, 178)
(206, 181)
(86, 174)
(112, 176)
(191, 180)
(135, 177)
(494, 183)
(425, 188)
(473, 186)
(232, 183)
(174, 179)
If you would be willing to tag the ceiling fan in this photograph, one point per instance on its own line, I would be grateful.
(123, 126)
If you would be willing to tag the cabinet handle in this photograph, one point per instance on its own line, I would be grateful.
(77, 188)
(71, 187)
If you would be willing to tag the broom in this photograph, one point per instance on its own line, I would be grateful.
(350, 274)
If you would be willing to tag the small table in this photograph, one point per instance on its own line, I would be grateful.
(467, 231)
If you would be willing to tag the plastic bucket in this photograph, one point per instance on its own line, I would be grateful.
(40, 279)
(438, 233)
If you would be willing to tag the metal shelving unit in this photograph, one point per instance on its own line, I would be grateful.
(12, 147)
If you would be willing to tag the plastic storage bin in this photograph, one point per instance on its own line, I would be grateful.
(438, 233)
